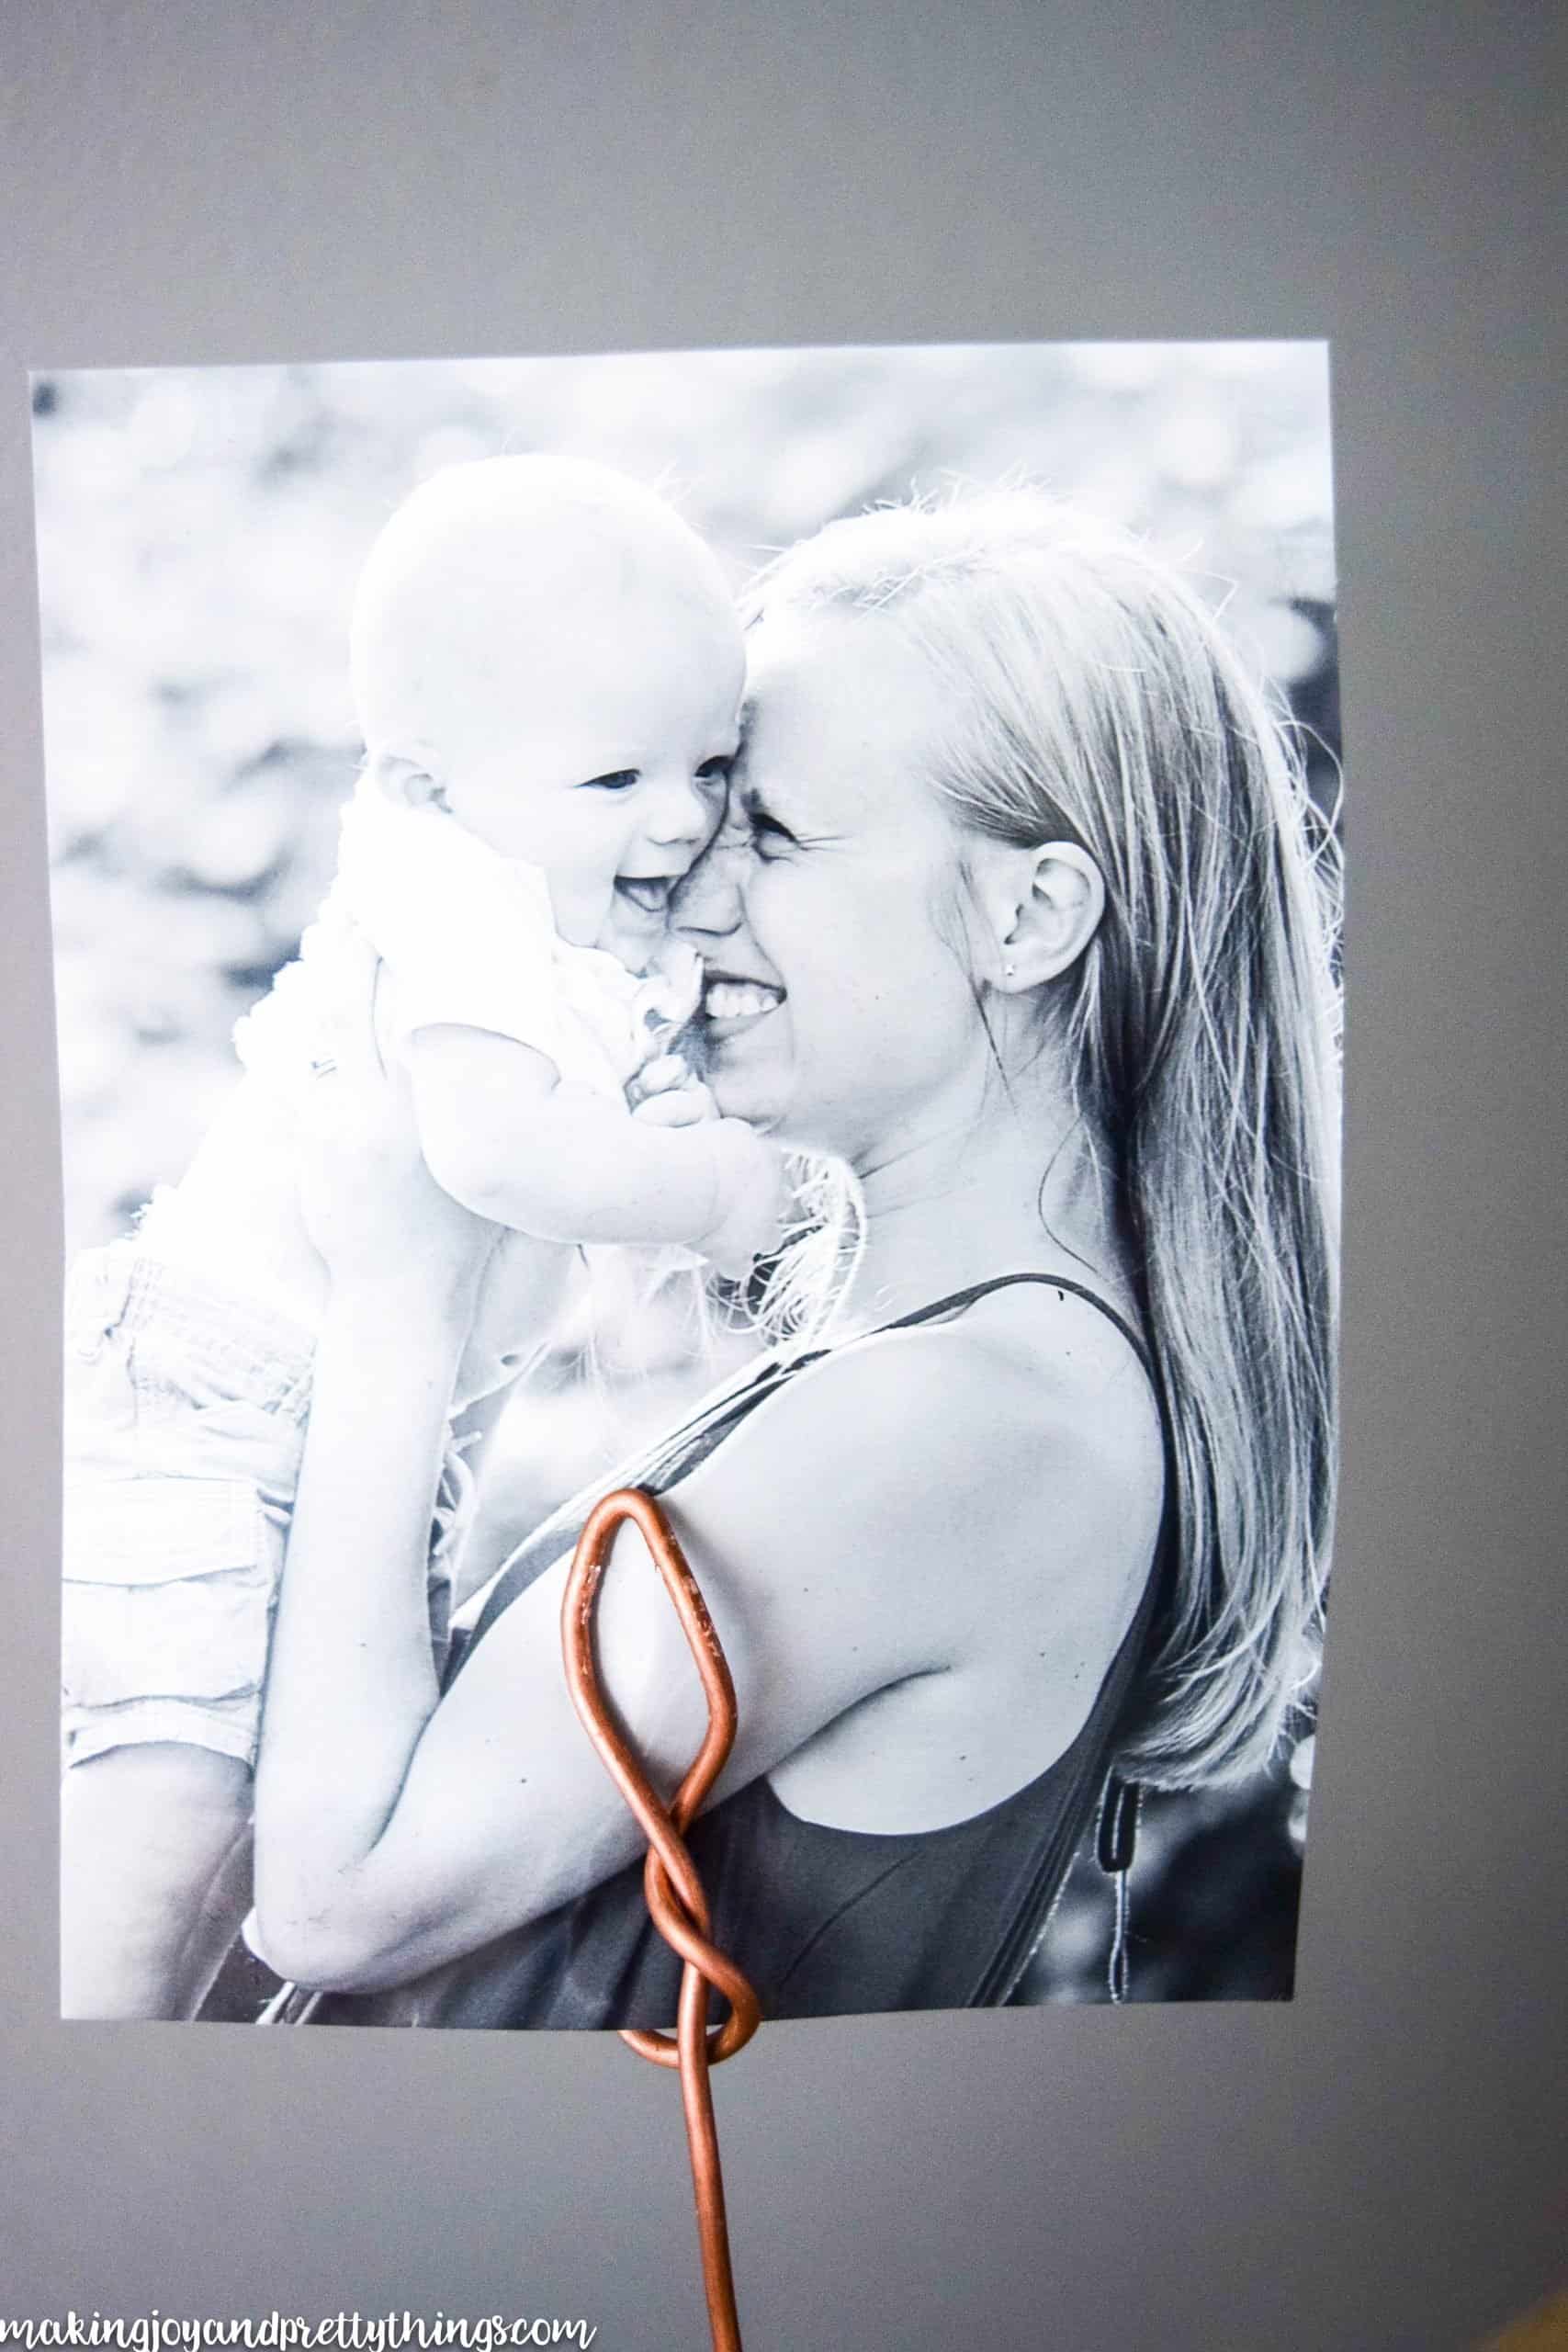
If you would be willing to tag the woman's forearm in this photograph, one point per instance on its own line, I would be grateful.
(351, 1680)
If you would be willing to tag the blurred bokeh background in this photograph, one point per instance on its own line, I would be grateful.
(200, 532)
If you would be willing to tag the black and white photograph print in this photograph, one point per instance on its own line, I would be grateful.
(760, 926)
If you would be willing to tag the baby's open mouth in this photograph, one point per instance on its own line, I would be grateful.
(734, 999)
(651, 892)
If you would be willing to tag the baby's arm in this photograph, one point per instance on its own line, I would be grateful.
(509, 1137)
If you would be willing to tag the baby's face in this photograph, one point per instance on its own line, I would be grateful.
(600, 750)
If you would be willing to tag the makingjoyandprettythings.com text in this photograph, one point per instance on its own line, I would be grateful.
(154, 2331)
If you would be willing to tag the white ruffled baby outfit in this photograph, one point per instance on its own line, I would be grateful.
(468, 937)
(186, 1396)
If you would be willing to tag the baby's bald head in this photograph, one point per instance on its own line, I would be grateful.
(490, 572)
(547, 652)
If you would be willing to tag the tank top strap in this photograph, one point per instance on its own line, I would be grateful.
(656, 1468)
(957, 1300)
(664, 1464)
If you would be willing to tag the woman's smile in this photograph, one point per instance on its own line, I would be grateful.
(732, 1004)
(817, 899)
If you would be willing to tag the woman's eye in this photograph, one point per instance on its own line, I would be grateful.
(618, 780)
(769, 838)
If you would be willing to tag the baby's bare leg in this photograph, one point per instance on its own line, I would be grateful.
(150, 1893)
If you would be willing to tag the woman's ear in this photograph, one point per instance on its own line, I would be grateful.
(1044, 907)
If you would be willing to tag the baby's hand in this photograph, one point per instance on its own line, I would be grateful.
(667, 1093)
(754, 1201)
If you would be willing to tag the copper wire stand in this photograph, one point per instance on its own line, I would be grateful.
(674, 1892)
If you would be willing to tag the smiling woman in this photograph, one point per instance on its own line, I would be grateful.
(1022, 918)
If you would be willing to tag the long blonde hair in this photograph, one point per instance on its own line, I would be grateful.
(1095, 700)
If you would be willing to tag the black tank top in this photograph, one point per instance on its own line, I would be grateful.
(825, 1922)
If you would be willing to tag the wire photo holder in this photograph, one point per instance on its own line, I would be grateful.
(675, 1898)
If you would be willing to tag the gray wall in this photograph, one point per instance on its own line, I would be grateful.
(1378, 2165)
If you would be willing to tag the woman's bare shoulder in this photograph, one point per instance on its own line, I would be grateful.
(1076, 1368)
(1033, 1365)
(979, 1439)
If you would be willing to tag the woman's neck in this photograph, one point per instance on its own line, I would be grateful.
(1020, 1188)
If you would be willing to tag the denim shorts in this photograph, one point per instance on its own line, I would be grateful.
(186, 1407)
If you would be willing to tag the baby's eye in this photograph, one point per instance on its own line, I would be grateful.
(618, 780)
(715, 772)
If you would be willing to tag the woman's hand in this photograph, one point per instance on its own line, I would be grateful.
(370, 1202)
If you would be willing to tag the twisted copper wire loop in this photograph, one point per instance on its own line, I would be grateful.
(673, 1891)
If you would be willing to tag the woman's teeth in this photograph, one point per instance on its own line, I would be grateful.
(738, 1000)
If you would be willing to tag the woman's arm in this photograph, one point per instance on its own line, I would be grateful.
(859, 1531)
(407, 1264)
(350, 1678)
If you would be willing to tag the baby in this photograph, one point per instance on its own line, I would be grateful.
(547, 671)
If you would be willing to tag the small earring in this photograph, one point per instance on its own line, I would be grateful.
(1008, 968)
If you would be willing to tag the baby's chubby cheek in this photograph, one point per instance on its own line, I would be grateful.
(583, 909)
(578, 928)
